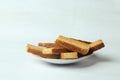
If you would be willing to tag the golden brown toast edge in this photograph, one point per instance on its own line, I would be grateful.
(69, 55)
(36, 50)
(73, 45)
(48, 45)
(97, 45)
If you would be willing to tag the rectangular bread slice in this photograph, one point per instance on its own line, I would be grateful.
(69, 55)
(96, 45)
(73, 45)
(36, 50)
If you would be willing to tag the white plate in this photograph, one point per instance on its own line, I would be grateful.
(62, 61)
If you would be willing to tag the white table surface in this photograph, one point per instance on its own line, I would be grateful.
(32, 21)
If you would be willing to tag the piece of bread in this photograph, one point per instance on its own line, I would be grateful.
(34, 49)
(96, 45)
(69, 55)
(73, 45)
(43, 52)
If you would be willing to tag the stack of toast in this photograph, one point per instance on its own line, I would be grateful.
(65, 48)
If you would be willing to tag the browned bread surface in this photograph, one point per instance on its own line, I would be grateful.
(69, 55)
(97, 45)
(36, 50)
(48, 45)
(73, 45)
(65, 48)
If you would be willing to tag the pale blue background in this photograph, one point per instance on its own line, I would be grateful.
(32, 21)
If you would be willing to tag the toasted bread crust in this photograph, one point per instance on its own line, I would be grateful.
(97, 45)
(36, 50)
(65, 48)
(69, 55)
(72, 45)
(48, 45)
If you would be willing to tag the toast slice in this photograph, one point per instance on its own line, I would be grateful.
(45, 52)
(73, 45)
(69, 55)
(94, 46)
